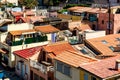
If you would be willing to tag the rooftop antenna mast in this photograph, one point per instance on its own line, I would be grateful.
(109, 21)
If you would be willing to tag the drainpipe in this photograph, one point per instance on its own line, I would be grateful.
(109, 11)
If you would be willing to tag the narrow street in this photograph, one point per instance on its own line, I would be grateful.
(8, 74)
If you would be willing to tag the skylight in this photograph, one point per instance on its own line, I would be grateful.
(118, 39)
(112, 48)
(104, 42)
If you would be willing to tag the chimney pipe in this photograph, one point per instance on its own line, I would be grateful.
(117, 64)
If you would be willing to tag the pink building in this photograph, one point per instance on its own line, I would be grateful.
(103, 22)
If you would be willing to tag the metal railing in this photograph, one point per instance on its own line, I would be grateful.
(38, 66)
(41, 67)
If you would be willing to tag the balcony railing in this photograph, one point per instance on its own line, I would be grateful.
(36, 39)
(41, 67)
(38, 66)
(73, 40)
(27, 41)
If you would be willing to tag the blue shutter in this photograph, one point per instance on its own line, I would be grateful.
(85, 76)
(53, 37)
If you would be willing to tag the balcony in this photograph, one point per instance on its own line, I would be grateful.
(36, 39)
(27, 41)
(19, 45)
(43, 67)
(73, 40)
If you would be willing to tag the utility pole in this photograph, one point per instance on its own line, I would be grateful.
(109, 20)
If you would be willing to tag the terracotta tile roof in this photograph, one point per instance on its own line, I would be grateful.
(116, 23)
(82, 9)
(26, 19)
(30, 12)
(46, 29)
(87, 9)
(102, 47)
(37, 18)
(28, 53)
(103, 68)
(19, 32)
(81, 26)
(74, 8)
(57, 48)
(97, 10)
(32, 19)
(17, 13)
(73, 58)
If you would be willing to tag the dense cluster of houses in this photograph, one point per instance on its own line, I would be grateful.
(76, 45)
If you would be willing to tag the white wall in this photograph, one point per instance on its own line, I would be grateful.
(49, 37)
(20, 47)
(42, 12)
(26, 63)
(74, 24)
(113, 1)
(23, 26)
(11, 49)
(75, 75)
(95, 34)
(3, 36)
(11, 1)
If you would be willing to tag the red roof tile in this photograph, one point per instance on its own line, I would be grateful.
(103, 68)
(102, 48)
(26, 19)
(73, 58)
(74, 8)
(19, 32)
(46, 29)
(81, 26)
(37, 18)
(58, 48)
(27, 53)
(30, 12)
(87, 9)
(17, 13)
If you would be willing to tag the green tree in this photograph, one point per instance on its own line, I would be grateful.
(10, 5)
(28, 3)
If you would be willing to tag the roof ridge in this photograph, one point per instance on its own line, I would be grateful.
(81, 55)
(57, 43)
(44, 25)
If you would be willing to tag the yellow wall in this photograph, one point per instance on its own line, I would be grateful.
(82, 72)
(89, 75)
(69, 17)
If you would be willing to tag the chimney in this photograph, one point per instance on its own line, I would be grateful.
(23, 8)
(24, 14)
(24, 11)
(117, 64)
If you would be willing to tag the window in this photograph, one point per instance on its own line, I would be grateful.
(118, 39)
(112, 48)
(59, 66)
(67, 70)
(36, 77)
(93, 78)
(109, 27)
(102, 21)
(104, 42)
(18, 65)
(49, 60)
(85, 76)
(26, 69)
(42, 78)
